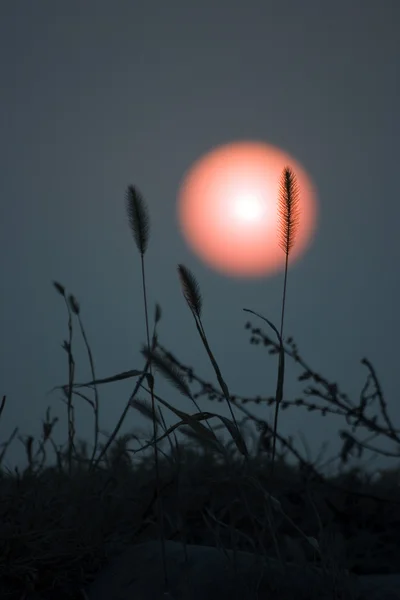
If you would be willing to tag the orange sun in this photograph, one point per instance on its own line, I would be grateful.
(228, 208)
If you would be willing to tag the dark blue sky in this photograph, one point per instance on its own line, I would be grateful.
(97, 95)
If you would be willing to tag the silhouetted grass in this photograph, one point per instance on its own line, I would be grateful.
(59, 524)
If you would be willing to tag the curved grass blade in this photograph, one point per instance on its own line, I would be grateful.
(191, 420)
(119, 377)
(236, 435)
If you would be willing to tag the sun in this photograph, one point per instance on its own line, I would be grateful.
(248, 207)
(228, 208)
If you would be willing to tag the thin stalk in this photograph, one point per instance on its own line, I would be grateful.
(288, 211)
(140, 225)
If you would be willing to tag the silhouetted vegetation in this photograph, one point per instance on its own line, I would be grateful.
(60, 523)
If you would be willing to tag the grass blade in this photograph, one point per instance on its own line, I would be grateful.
(119, 377)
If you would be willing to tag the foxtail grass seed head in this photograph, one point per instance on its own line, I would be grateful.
(138, 218)
(170, 372)
(145, 409)
(191, 290)
(288, 209)
(60, 288)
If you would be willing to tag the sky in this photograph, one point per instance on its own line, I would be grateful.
(96, 96)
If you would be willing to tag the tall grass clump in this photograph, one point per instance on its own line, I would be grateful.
(57, 523)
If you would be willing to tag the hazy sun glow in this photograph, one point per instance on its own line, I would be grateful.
(227, 208)
(248, 206)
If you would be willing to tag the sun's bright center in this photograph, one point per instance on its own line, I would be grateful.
(248, 207)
